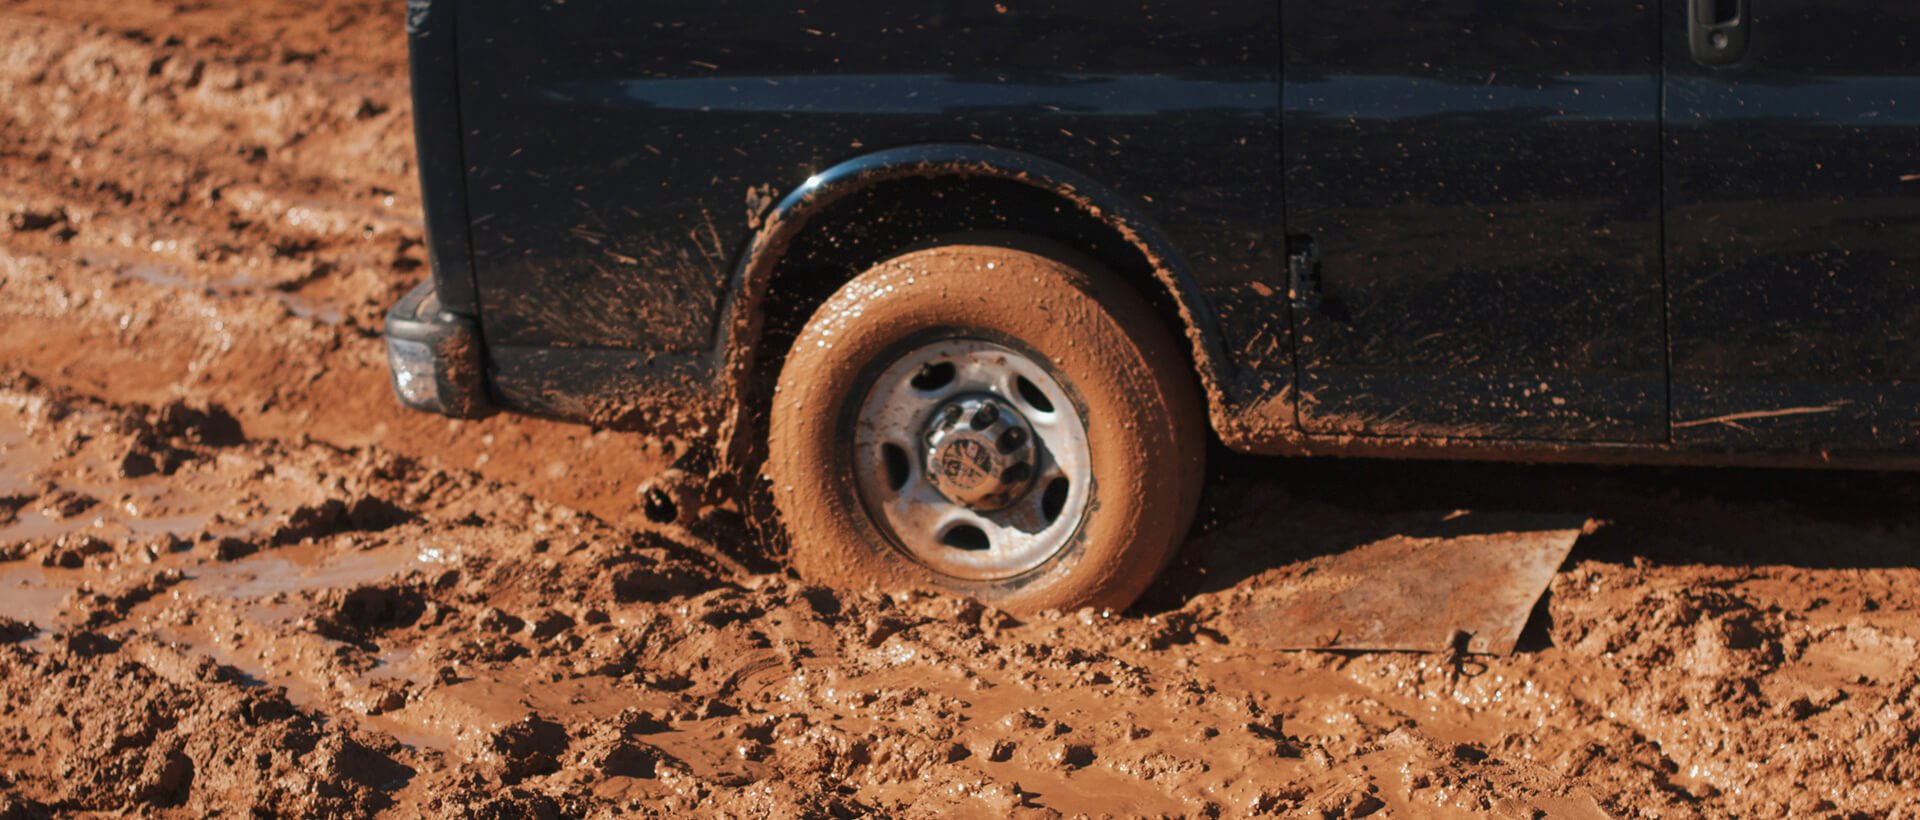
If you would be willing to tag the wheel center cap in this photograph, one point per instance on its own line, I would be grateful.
(979, 452)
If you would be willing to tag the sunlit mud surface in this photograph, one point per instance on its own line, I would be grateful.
(235, 575)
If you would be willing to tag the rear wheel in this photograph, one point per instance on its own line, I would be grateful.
(1008, 423)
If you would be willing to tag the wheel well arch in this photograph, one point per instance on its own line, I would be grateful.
(858, 213)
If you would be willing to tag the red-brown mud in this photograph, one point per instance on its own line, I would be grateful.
(235, 575)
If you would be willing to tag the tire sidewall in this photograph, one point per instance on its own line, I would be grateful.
(1145, 456)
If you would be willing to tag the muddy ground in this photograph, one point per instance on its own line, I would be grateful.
(236, 575)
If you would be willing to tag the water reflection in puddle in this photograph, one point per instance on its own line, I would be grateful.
(302, 568)
(29, 594)
(168, 277)
(17, 461)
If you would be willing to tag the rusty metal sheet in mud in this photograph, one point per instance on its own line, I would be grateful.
(1477, 574)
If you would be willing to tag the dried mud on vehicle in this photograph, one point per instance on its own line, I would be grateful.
(235, 575)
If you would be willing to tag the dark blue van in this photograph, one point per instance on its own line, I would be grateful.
(976, 282)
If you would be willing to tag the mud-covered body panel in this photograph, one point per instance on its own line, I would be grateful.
(1482, 187)
(1510, 219)
(1793, 233)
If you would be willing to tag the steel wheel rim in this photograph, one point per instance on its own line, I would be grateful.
(911, 493)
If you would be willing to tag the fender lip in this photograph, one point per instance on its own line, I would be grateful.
(781, 223)
(739, 331)
(434, 357)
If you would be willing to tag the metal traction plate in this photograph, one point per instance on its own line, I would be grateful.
(1480, 575)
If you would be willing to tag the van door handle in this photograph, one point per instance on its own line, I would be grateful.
(1717, 30)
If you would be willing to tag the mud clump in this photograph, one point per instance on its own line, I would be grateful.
(653, 578)
(164, 779)
(71, 551)
(10, 507)
(15, 807)
(526, 747)
(622, 757)
(151, 742)
(335, 516)
(209, 424)
(515, 804)
(60, 503)
(362, 614)
(93, 610)
(15, 631)
(231, 548)
(55, 222)
(549, 623)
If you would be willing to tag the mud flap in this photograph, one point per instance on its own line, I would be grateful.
(1469, 586)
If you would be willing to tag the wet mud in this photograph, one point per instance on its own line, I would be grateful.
(236, 576)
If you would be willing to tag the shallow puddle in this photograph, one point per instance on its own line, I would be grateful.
(168, 277)
(30, 593)
(303, 568)
(18, 458)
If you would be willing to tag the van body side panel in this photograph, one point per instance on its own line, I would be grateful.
(620, 154)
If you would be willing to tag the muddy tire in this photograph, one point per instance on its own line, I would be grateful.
(1013, 424)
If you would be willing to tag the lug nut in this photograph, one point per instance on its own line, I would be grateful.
(951, 415)
(989, 413)
(1012, 439)
(1017, 474)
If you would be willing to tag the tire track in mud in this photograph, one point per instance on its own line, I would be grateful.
(253, 581)
(465, 633)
